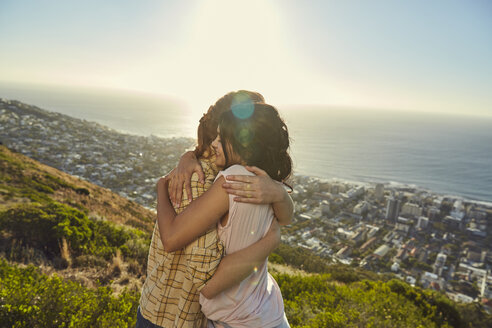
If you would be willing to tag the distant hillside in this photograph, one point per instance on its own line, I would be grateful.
(91, 247)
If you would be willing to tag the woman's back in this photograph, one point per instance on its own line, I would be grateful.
(256, 301)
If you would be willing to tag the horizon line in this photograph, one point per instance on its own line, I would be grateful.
(288, 106)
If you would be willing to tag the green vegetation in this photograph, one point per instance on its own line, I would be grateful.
(31, 299)
(318, 301)
(45, 227)
(25, 180)
(306, 260)
(299, 258)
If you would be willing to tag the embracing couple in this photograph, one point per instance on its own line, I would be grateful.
(207, 264)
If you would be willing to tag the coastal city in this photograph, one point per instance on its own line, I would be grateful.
(427, 239)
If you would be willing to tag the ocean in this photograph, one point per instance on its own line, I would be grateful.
(447, 154)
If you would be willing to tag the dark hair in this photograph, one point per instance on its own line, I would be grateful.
(207, 129)
(257, 134)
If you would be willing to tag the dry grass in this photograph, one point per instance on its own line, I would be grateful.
(281, 268)
(65, 252)
(135, 268)
(116, 266)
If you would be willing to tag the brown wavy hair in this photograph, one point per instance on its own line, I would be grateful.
(207, 129)
(259, 136)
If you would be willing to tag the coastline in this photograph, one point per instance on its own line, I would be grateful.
(368, 181)
(400, 185)
(386, 183)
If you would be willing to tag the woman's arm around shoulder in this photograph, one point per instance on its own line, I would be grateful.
(178, 231)
(261, 189)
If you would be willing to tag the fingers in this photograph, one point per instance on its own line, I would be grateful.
(189, 194)
(245, 196)
(261, 188)
(171, 174)
(201, 176)
(240, 178)
(175, 187)
(238, 186)
(243, 192)
(178, 189)
(187, 165)
(187, 179)
(172, 190)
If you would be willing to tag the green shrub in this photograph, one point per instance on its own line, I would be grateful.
(300, 258)
(30, 299)
(136, 249)
(275, 258)
(45, 226)
(437, 306)
(318, 301)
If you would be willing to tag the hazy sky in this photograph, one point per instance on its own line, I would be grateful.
(422, 55)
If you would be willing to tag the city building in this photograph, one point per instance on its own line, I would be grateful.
(382, 250)
(439, 263)
(392, 209)
(410, 209)
(458, 210)
(379, 192)
(422, 222)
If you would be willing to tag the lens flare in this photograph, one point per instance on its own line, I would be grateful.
(244, 135)
(243, 110)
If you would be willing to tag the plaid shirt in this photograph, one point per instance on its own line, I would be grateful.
(170, 294)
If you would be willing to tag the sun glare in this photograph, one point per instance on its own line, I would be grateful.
(232, 45)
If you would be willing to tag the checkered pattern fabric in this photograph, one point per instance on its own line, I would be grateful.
(170, 295)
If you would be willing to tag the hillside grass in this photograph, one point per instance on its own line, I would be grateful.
(25, 180)
(66, 225)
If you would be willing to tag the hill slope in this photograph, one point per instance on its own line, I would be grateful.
(26, 180)
(70, 226)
